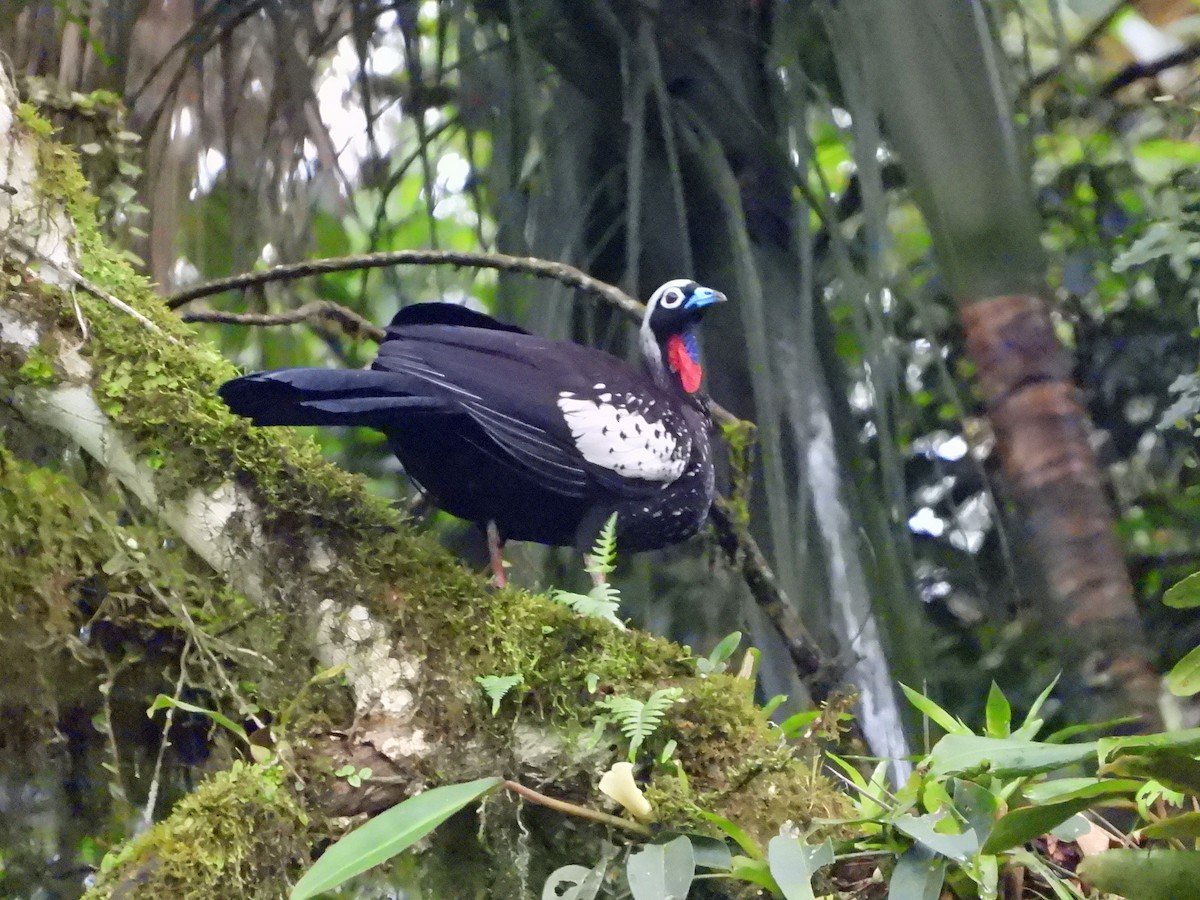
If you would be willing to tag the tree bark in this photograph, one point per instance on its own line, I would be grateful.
(300, 571)
(1042, 439)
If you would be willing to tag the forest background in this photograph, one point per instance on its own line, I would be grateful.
(862, 181)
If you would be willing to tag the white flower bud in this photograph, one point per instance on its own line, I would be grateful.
(618, 783)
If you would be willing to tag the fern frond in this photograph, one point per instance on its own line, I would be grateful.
(601, 602)
(638, 719)
(603, 558)
(497, 687)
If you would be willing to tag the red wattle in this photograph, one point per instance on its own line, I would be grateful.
(682, 364)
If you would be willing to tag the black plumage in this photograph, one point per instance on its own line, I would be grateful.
(545, 439)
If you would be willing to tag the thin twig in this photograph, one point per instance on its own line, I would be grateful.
(92, 288)
(318, 312)
(543, 268)
(581, 812)
(1137, 71)
(1093, 34)
(743, 551)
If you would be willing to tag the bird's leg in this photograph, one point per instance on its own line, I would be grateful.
(496, 555)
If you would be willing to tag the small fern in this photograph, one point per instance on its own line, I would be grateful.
(639, 719)
(603, 558)
(603, 600)
(497, 687)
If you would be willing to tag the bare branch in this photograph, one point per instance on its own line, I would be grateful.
(543, 268)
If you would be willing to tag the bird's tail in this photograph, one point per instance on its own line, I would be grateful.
(322, 397)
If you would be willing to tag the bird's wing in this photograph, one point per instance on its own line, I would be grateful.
(572, 417)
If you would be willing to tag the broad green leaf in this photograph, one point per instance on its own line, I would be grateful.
(1028, 822)
(389, 833)
(793, 863)
(1144, 874)
(662, 871)
(1184, 678)
(1184, 594)
(931, 710)
(918, 875)
(1005, 757)
(998, 713)
(1175, 770)
(1061, 789)
(584, 883)
(710, 853)
(977, 805)
(1186, 740)
(739, 836)
(958, 847)
(1185, 826)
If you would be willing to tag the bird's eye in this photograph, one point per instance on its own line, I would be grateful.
(671, 298)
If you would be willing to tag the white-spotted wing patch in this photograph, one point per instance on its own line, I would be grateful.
(614, 432)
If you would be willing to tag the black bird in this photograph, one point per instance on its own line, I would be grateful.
(532, 439)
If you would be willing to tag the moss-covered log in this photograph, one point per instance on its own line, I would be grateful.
(292, 566)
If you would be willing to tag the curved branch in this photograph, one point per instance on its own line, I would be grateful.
(530, 265)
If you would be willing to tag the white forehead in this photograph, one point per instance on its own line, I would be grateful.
(679, 283)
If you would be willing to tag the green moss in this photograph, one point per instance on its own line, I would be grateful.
(740, 438)
(240, 834)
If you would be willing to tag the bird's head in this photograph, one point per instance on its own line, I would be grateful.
(668, 334)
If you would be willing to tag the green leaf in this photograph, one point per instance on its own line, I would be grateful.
(1059, 789)
(1032, 724)
(1185, 740)
(639, 719)
(389, 833)
(720, 654)
(1028, 822)
(793, 864)
(918, 875)
(1175, 770)
(1184, 594)
(1005, 757)
(739, 836)
(959, 847)
(795, 725)
(1184, 827)
(1143, 874)
(662, 871)
(584, 883)
(497, 687)
(710, 852)
(162, 701)
(977, 805)
(932, 711)
(755, 871)
(998, 713)
(1184, 678)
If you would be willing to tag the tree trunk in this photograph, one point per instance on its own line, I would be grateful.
(273, 565)
(937, 82)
